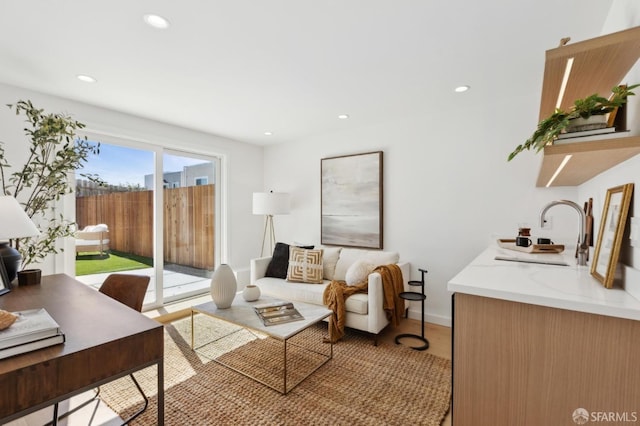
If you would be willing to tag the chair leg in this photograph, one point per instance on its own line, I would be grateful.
(144, 407)
(57, 418)
(54, 422)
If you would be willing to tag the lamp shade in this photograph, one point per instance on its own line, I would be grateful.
(271, 203)
(15, 222)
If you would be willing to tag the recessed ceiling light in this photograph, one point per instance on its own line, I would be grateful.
(461, 89)
(268, 133)
(156, 21)
(343, 116)
(86, 78)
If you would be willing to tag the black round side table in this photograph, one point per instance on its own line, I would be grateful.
(415, 296)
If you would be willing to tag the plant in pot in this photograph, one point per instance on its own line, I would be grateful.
(562, 121)
(54, 152)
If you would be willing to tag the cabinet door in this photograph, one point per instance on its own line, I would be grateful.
(515, 363)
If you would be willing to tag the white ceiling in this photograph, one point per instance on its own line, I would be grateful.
(238, 68)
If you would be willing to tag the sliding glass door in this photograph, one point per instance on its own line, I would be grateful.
(115, 219)
(189, 198)
(158, 208)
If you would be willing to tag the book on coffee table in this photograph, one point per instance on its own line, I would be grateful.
(277, 313)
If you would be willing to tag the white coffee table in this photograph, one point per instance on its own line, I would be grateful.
(241, 313)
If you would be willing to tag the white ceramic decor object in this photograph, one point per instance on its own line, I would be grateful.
(251, 293)
(223, 286)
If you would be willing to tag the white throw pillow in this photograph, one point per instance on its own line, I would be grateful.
(359, 272)
(330, 257)
(382, 257)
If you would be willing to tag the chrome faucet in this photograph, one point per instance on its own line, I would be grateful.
(582, 245)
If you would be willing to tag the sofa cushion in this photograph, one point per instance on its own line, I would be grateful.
(101, 227)
(279, 264)
(330, 257)
(305, 265)
(359, 271)
(309, 293)
(348, 256)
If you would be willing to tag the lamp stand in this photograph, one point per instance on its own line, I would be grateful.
(268, 228)
(11, 259)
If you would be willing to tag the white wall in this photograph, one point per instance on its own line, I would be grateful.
(243, 164)
(448, 189)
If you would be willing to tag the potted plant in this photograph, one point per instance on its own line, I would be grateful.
(561, 121)
(54, 153)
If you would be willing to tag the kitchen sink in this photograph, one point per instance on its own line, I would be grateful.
(536, 261)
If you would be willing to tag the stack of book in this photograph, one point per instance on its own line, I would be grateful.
(33, 329)
(277, 313)
(590, 135)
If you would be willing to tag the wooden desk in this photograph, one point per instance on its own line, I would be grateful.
(105, 340)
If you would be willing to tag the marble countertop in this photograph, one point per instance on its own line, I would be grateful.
(566, 287)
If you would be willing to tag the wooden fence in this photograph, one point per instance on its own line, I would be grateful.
(188, 223)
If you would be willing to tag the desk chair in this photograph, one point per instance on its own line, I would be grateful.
(130, 290)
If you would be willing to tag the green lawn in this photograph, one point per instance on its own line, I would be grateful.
(93, 263)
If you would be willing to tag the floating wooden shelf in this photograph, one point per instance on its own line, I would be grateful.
(588, 159)
(599, 64)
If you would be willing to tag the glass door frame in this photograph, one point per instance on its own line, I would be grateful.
(220, 197)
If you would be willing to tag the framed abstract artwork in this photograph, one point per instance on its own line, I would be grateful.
(612, 224)
(351, 200)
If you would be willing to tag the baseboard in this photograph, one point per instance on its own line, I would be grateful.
(430, 318)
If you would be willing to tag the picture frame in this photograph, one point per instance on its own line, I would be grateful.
(610, 234)
(5, 285)
(352, 200)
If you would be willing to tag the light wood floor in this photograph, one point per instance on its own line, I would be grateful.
(439, 338)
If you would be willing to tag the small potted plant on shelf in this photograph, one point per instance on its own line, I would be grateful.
(562, 121)
(54, 152)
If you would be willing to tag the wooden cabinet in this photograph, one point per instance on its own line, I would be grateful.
(523, 364)
(598, 65)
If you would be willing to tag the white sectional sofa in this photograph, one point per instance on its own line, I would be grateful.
(364, 310)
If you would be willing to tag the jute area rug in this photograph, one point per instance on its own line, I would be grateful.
(362, 385)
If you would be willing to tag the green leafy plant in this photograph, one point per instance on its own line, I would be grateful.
(549, 128)
(54, 153)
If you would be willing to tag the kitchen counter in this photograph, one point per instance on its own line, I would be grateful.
(532, 343)
(566, 287)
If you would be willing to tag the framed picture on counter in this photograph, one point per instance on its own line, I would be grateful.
(612, 225)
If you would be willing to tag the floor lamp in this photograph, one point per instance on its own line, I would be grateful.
(270, 204)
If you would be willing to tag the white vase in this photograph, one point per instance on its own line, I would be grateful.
(251, 293)
(223, 286)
